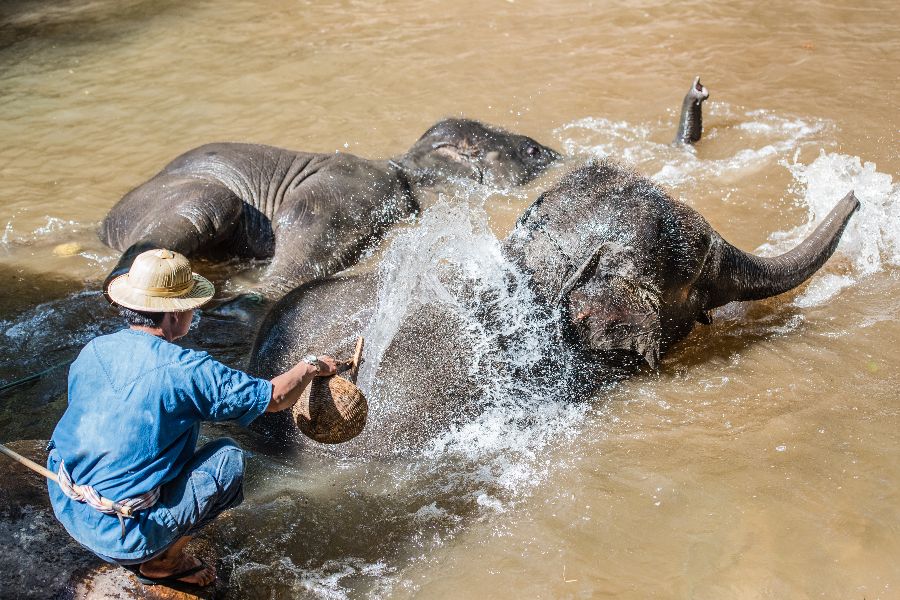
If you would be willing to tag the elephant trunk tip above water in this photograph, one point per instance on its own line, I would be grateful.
(690, 126)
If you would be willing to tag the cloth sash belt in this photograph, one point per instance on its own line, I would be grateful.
(123, 509)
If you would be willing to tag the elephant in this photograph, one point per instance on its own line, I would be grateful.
(620, 270)
(633, 270)
(325, 316)
(313, 214)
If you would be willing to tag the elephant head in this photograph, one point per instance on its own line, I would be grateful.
(634, 269)
(468, 149)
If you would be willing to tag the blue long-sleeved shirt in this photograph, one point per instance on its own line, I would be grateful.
(135, 406)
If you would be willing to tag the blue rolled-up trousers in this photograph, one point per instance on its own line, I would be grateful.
(211, 482)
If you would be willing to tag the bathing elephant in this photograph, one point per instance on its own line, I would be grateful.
(622, 270)
(633, 270)
(312, 214)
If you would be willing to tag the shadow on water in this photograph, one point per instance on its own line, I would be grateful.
(49, 318)
(72, 22)
(735, 328)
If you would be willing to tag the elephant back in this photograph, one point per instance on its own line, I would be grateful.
(422, 380)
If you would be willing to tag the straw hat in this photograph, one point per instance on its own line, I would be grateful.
(160, 281)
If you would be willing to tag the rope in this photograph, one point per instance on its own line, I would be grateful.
(91, 497)
(123, 509)
(33, 377)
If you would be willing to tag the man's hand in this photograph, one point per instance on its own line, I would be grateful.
(287, 387)
(327, 366)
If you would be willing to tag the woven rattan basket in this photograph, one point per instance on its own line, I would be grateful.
(333, 410)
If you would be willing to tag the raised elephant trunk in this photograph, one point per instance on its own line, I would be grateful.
(690, 127)
(743, 276)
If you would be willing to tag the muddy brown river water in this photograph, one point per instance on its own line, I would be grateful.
(762, 461)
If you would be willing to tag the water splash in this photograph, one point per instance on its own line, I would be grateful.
(871, 241)
(472, 470)
(452, 259)
(752, 139)
(54, 228)
(325, 581)
(51, 332)
(69, 321)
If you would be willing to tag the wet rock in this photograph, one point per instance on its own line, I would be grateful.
(22, 487)
(107, 582)
(40, 560)
(38, 555)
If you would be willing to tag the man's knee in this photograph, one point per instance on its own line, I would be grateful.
(224, 460)
(217, 445)
(231, 471)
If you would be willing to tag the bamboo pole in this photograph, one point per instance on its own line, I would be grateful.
(28, 463)
(125, 511)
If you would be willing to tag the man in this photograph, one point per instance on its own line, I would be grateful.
(133, 488)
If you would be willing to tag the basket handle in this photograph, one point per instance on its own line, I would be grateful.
(356, 360)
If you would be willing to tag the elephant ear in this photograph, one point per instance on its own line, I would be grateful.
(612, 312)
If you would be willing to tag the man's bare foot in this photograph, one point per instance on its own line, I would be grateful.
(175, 560)
(161, 568)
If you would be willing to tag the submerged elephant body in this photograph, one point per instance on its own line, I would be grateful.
(326, 316)
(312, 214)
(259, 202)
(626, 270)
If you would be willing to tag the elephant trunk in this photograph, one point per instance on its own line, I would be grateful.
(690, 127)
(743, 276)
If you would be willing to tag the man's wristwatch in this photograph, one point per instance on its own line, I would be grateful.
(313, 360)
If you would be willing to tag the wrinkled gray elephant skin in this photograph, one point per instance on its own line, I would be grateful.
(635, 269)
(425, 389)
(690, 126)
(312, 214)
(630, 269)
